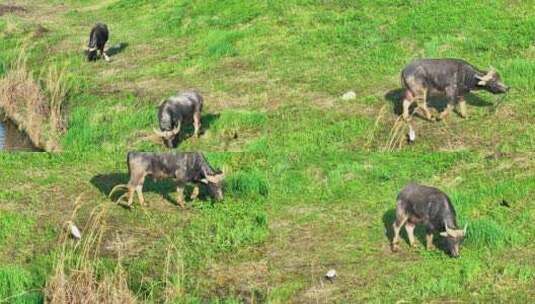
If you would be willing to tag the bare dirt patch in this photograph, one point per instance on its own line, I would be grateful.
(40, 31)
(11, 9)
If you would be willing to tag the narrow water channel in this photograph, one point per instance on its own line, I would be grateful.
(12, 139)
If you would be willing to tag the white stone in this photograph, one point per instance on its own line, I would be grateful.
(331, 274)
(349, 95)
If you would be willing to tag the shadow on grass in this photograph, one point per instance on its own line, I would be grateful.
(396, 98)
(116, 49)
(419, 232)
(437, 101)
(187, 131)
(388, 219)
(106, 182)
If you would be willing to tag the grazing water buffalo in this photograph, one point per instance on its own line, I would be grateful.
(452, 77)
(418, 204)
(177, 110)
(186, 167)
(97, 40)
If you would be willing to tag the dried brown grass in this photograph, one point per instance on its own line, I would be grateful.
(396, 138)
(36, 111)
(372, 133)
(75, 278)
(57, 87)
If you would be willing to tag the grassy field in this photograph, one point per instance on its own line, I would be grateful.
(311, 178)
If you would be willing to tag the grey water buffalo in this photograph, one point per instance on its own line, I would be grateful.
(452, 77)
(97, 40)
(176, 111)
(185, 167)
(418, 204)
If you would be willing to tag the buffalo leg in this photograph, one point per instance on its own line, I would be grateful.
(450, 93)
(407, 101)
(423, 105)
(401, 218)
(180, 195)
(462, 107)
(429, 241)
(130, 195)
(409, 227)
(104, 55)
(195, 192)
(197, 123)
(139, 190)
(135, 183)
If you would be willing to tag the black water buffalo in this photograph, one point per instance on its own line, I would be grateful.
(452, 77)
(97, 40)
(177, 110)
(185, 167)
(418, 204)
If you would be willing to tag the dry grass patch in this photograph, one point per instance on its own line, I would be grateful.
(36, 109)
(75, 278)
(10, 9)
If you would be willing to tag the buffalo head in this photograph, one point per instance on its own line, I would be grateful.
(491, 82)
(454, 238)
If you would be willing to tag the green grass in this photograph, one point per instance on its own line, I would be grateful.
(16, 286)
(308, 185)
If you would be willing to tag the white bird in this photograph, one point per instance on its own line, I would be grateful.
(330, 275)
(412, 134)
(75, 232)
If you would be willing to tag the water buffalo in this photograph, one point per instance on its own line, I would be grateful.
(452, 77)
(185, 167)
(97, 40)
(418, 204)
(177, 110)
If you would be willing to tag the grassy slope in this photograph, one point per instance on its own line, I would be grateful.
(308, 186)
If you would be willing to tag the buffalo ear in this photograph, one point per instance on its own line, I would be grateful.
(444, 234)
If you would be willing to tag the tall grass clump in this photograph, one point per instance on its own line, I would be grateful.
(57, 87)
(486, 233)
(35, 106)
(247, 184)
(75, 278)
